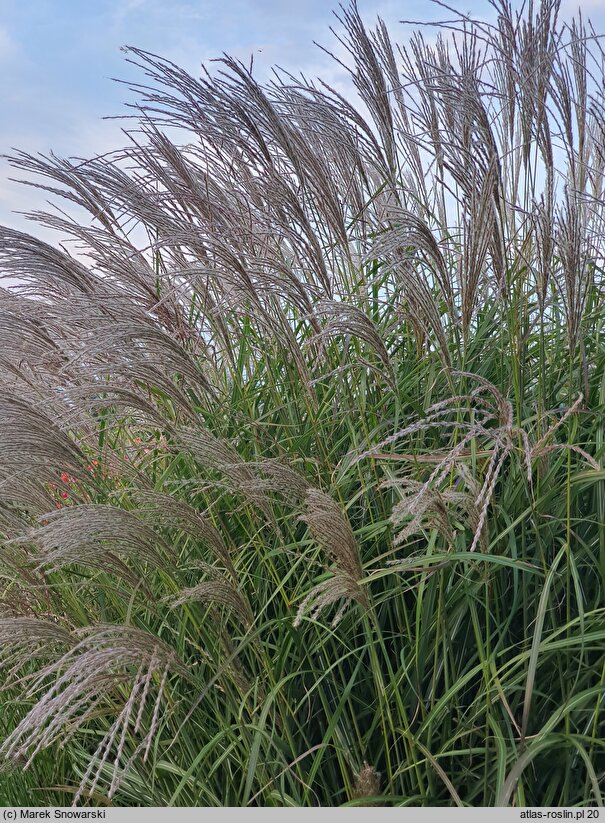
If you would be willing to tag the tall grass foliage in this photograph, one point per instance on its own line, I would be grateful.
(301, 485)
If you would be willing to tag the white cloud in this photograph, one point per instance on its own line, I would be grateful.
(125, 7)
(8, 47)
(587, 6)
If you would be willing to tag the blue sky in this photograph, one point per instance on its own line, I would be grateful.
(57, 58)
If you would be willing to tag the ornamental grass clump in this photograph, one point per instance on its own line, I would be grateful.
(302, 441)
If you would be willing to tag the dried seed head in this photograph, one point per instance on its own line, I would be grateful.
(422, 505)
(338, 588)
(29, 439)
(367, 782)
(23, 639)
(345, 319)
(282, 479)
(331, 529)
(88, 676)
(218, 592)
(94, 535)
(217, 454)
(165, 509)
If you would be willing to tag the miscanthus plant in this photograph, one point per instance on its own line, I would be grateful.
(301, 446)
